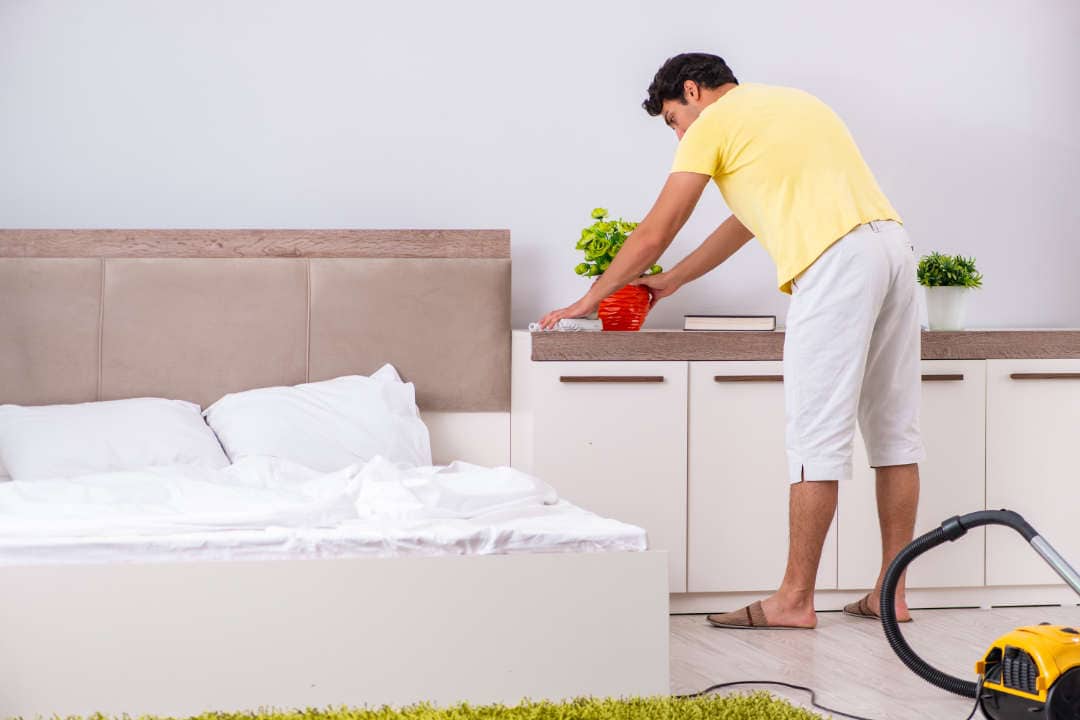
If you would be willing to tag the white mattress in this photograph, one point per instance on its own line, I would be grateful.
(267, 509)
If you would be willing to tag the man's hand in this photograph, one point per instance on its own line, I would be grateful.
(660, 285)
(584, 306)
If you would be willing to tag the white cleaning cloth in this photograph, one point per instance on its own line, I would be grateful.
(571, 325)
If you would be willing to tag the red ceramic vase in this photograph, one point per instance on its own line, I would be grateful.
(625, 309)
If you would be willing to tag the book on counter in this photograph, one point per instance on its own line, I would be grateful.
(729, 322)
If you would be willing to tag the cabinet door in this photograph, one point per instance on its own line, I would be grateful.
(738, 480)
(611, 437)
(1033, 428)
(953, 424)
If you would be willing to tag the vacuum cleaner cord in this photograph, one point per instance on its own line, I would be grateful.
(803, 688)
(810, 691)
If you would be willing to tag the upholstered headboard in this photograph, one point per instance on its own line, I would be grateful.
(194, 314)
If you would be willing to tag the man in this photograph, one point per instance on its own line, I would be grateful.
(793, 177)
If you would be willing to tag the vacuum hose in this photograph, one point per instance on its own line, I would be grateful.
(950, 530)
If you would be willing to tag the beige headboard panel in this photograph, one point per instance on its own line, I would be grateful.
(194, 314)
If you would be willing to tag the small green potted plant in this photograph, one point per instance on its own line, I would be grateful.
(626, 308)
(948, 280)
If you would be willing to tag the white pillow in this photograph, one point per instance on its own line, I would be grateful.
(325, 425)
(56, 441)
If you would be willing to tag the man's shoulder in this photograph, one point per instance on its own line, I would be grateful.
(758, 92)
(754, 101)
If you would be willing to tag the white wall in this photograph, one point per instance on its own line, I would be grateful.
(128, 113)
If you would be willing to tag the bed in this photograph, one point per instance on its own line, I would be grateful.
(174, 629)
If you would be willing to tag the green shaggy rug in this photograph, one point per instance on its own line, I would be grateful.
(752, 706)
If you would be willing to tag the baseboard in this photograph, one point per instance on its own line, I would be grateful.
(828, 600)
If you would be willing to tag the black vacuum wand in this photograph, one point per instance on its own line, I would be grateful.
(950, 530)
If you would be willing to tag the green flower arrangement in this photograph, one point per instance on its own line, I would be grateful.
(602, 241)
(937, 270)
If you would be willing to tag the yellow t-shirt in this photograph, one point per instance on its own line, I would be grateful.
(789, 170)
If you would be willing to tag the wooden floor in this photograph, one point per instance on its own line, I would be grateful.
(848, 661)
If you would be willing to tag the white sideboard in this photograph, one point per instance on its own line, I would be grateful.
(691, 448)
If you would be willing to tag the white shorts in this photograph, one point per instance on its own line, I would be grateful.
(851, 350)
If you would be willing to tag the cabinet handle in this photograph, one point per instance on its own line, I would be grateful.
(611, 379)
(747, 378)
(942, 378)
(1046, 376)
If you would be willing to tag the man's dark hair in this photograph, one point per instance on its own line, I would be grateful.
(708, 71)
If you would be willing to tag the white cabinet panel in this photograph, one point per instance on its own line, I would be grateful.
(1033, 432)
(953, 427)
(611, 437)
(738, 481)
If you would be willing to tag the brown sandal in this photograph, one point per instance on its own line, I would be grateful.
(862, 609)
(751, 617)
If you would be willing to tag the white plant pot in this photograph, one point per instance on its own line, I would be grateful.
(946, 307)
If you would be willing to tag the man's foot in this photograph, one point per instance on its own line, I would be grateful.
(869, 607)
(899, 603)
(752, 617)
(793, 613)
(775, 611)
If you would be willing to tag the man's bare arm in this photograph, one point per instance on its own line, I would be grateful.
(718, 247)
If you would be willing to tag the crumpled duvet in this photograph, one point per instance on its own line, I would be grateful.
(263, 492)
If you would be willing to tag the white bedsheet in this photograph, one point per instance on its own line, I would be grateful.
(265, 508)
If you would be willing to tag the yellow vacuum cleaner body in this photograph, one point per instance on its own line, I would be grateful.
(1032, 672)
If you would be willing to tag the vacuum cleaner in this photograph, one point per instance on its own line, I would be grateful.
(1032, 672)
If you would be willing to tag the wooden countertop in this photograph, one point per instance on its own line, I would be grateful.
(681, 345)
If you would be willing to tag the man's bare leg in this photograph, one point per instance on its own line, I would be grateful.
(897, 501)
(811, 509)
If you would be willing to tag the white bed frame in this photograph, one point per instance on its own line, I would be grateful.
(194, 637)
(186, 638)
